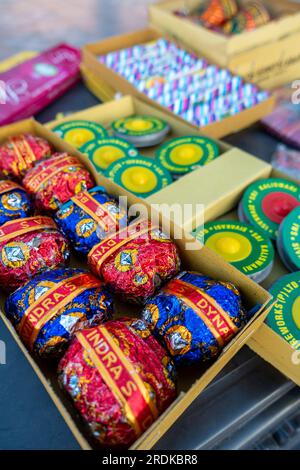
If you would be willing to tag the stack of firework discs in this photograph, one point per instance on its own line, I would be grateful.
(267, 202)
(185, 154)
(141, 131)
(103, 152)
(219, 11)
(79, 132)
(243, 246)
(288, 242)
(141, 176)
(284, 318)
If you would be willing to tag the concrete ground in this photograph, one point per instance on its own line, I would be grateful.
(36, 24)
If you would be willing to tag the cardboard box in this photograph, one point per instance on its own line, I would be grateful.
(112, 84)
(193, 380)
(268, 56)
(207, 185)
(265, 342)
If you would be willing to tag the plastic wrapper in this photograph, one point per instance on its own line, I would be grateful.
(50, 308)
(287, 160)
(28, 247)
(195, 317)
(119, 378)
(35, 83)
(136, 261)
(284, 120)
(89, 218)
(14, 202)
(56, 180)
(20, 153)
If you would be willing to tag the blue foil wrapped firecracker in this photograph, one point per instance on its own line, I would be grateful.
(195, 316)
(14, 202)
(50, 308)
(90, 217)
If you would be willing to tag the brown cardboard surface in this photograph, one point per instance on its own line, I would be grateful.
(191, 381)
(101, 77)
(211, 183)
(268, 56)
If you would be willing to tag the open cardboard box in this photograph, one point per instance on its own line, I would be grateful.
(268, 56)
(265, 342)
(208, 184)
(191, 381)
(112, 84)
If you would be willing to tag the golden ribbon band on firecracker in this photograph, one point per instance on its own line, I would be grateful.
(51, 302)
(18, 153)
(19, 227)
(8, 185)
(215, 318)
(25, 147)
(89, 205)
(120, 376)
(107, 247)
(58, 165)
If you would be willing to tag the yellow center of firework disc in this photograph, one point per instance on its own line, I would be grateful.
(186, 154)
(230, 245)
(106, 155)
(139, 179)
(138, 125)
(78, 137)
(296, 312)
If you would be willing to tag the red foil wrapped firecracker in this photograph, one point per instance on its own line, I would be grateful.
(56, 180)
(219, 11)
(119, 378)
(20, 153)
(28, 247)
(136, 261)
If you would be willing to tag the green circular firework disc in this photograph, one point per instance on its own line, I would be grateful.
(141, 131)
(79, 132)
(141, 176)
(240, 244)
(288, 242)
(103, 152)
(185, 154)
(284, 318)
(267, 202)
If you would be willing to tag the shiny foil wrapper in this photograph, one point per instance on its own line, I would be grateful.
(89, 218)
(14, 202)
(219, 11)
(55, 181)
(138, 264)
(120, 380)
(27, 253)
(50, 308)
(195, 325)
(20, 153)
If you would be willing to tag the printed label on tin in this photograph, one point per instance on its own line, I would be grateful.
(284, 317)
(139, 125)
(183, 154)
(49, 304)
(19, 227)
(120, 376)
(245, 247)
(214, 317)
